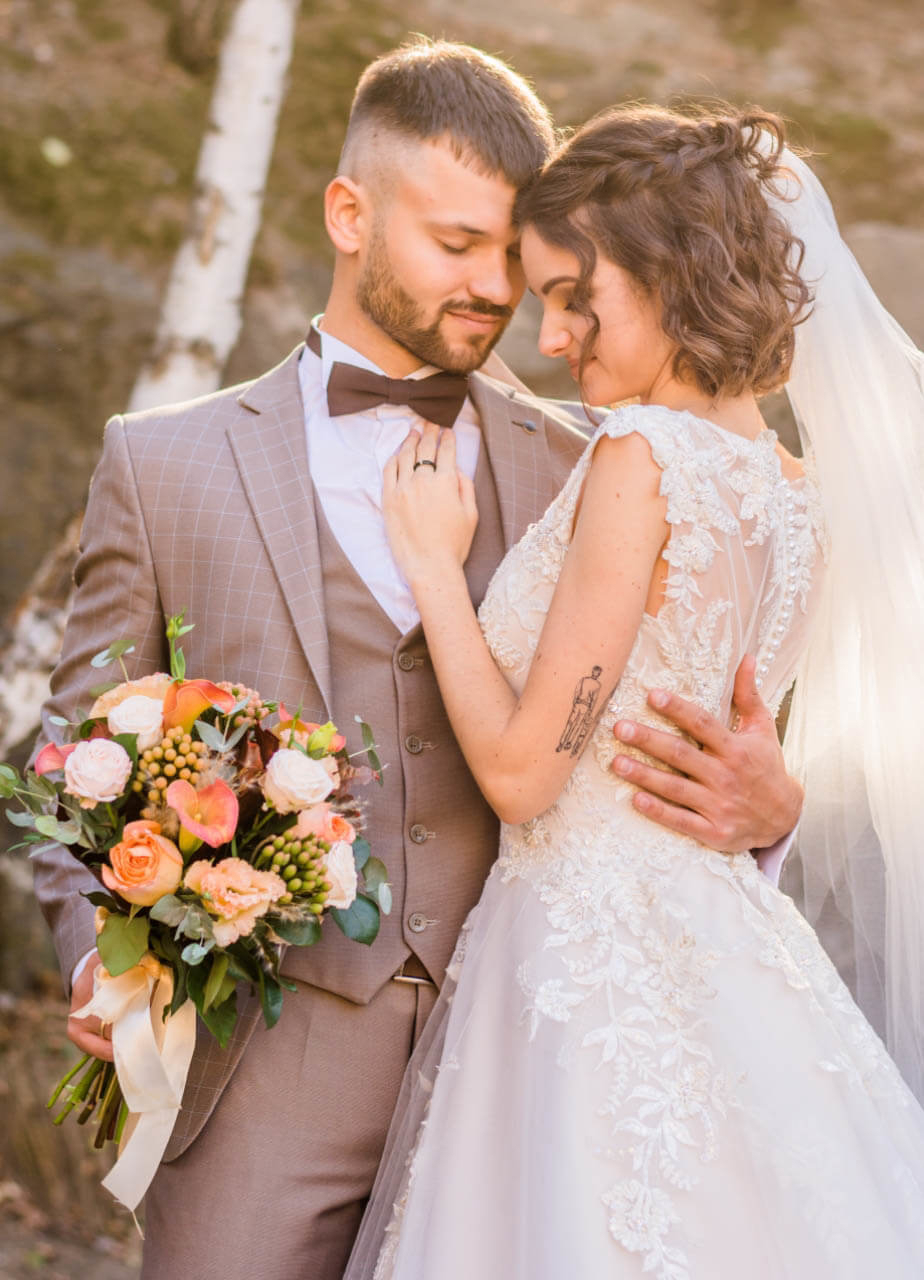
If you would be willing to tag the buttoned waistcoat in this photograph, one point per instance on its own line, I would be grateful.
(209, 507)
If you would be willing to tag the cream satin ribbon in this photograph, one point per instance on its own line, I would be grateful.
(152, 1058)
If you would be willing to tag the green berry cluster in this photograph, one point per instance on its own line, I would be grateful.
(301, 863)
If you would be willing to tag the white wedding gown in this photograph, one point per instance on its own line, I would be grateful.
(642, 1062)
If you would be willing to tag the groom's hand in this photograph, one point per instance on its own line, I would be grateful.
(733, 792)
(87, 1033)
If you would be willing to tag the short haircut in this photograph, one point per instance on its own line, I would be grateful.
(431, 89)
(678, 200)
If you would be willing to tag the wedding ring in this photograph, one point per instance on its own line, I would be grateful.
(424, 462)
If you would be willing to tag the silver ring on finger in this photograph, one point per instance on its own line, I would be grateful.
(425, 462)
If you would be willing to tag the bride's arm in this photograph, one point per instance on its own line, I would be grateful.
(522, 750)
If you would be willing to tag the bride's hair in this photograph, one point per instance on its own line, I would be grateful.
(677, 200)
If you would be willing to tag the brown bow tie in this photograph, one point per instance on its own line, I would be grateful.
(437, 398)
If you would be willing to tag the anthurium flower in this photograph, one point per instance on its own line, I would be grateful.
(185, 702)
(52, 757)
(210, 813)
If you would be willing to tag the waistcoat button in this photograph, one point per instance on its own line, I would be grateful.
(419, 833)
(417, 922)
(405, 662)
(413, 744)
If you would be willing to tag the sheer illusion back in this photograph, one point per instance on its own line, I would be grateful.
(638, 1033)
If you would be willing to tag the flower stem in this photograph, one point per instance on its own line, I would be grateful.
(79, 1090)
(75, 1070)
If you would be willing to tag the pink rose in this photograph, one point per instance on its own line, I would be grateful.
(340, 872)
(294, 781)
(321, 820)
(144, 865)
(235, 893)
(96, 771)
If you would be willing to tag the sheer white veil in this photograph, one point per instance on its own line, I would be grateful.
(856, 728)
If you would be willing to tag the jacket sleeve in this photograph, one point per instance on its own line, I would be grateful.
(116, 598)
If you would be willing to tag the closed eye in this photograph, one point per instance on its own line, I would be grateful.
(453, 248)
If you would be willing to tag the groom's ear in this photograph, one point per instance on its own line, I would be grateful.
(345, 214)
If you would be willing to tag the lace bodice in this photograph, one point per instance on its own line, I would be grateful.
(743, 558)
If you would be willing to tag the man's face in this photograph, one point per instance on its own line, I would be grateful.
(440, 271)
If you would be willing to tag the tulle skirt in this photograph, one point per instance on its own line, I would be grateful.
(697, 1099)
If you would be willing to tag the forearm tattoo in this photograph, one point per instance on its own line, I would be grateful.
(581, 719)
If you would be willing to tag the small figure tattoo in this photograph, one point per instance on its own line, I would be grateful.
(581, 719)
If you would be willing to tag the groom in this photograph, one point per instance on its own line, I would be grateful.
(258, 510)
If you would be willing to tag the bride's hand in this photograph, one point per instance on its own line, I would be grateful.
(429, 505)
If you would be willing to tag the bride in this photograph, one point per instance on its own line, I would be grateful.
(642, 1061)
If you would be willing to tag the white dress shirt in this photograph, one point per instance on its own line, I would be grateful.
(347, 456)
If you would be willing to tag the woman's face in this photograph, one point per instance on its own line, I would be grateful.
(631, 356)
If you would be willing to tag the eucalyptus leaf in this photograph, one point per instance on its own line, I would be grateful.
(196, 924)
(300, 933)
(115, 651)
(169, 910)
(59, 720)
(361, 852)
(211, 736)
(236, 736)
(383, 893)
(360, 922)
(122, 942)
(195, 952)
(374, 873)
(20, 819)
(63, 832)
(9, 779)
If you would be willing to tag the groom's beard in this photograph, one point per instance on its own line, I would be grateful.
(397, 314)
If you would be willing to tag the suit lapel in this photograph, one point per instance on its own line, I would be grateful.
(515, 433)
(270, 448)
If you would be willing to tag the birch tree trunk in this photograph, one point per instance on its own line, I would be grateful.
(201, 315)
(200, 318)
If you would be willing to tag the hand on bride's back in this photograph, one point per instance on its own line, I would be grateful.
(429, 505)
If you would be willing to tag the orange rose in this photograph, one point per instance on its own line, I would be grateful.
(144, 865)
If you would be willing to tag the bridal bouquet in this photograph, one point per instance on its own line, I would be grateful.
(220, 825)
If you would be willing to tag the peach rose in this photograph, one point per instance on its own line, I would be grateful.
(235, 893)
(96, 771)
(155, 686)
(294, 781)
(340, 871)
(320, 820)
(144, 865)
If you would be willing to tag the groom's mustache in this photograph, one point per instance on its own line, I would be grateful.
(478, 307)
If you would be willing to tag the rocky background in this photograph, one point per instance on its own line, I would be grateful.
(102, 105)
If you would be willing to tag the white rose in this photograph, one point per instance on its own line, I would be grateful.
(141, 715)
(96, 771)
(340, 872)
(294, 781)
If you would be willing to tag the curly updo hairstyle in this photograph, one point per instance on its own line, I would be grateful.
(678, 201)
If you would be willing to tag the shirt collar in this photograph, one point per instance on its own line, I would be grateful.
(333, 350)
